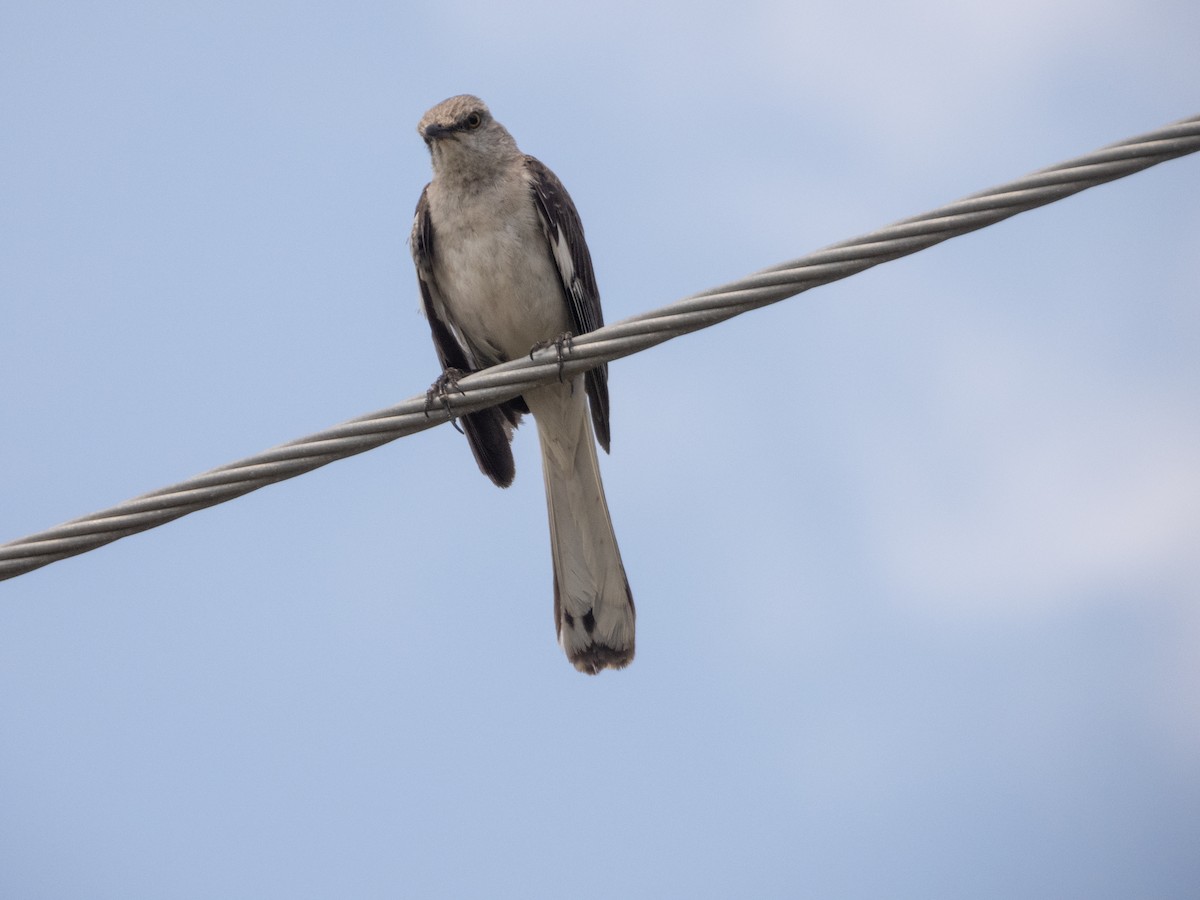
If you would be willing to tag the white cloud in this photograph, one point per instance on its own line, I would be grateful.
(1056, 478)
(907, 73)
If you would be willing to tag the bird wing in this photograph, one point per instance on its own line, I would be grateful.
(489, 431)
(564, 233)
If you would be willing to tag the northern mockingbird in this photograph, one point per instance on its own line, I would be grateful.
(503, 268)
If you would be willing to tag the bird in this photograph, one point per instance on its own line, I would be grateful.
(503, 269)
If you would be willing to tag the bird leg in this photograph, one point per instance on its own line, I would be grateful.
(439, 393)
(562, 347)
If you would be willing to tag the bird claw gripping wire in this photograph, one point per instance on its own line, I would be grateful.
(562, 347)
(439, 393)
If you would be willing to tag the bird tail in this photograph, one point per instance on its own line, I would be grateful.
(593, 606)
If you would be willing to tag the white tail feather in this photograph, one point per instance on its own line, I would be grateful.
(593, 606)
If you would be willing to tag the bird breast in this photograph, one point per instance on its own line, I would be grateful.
(496, 273)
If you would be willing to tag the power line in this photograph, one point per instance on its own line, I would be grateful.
(490, 386)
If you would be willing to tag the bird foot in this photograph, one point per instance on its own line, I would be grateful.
(562, 346)
(439, 394)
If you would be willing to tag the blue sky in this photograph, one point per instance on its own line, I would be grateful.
(914, 554)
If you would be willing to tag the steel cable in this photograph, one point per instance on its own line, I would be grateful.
(490, 386)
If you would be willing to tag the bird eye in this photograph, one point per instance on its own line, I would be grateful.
(474, 120)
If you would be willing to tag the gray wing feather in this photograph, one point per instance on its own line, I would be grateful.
(489, 431)
(564, 232)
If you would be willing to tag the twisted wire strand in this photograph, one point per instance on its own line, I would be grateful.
(490, 386)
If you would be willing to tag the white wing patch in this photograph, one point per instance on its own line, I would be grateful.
(562, 258)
